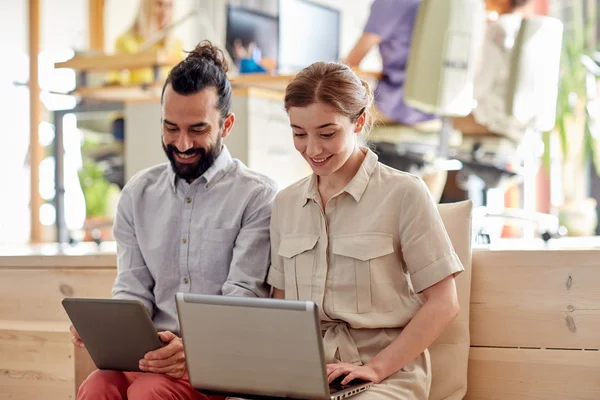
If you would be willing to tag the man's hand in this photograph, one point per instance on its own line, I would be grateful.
(76, 339)
(168, 360)
(351, 371)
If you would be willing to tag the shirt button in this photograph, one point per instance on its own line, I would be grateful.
(186, 280)
(184, 240)
(208, 185)
(188, 200)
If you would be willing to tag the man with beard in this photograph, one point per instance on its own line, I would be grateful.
(198, 225)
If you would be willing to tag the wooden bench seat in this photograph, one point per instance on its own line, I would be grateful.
(533, 374)
(534, 322)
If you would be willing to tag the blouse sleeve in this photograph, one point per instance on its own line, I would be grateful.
(426, 247)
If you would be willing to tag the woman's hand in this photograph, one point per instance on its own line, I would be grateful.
(168, 360)
(351, 371)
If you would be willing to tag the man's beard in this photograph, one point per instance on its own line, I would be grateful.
(191, 172)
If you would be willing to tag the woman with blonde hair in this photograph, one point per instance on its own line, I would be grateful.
(363, 241)
(152, 16)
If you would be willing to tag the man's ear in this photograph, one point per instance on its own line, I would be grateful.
(228, 124)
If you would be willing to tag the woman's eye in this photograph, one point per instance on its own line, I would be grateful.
(326, 135)
(299, 134)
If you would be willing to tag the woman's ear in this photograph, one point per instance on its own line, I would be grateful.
(360, 123)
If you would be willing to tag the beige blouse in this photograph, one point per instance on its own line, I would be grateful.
(382, 243)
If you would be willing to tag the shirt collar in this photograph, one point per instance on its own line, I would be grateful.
(212, 174)
(311, 191)
(357, 185)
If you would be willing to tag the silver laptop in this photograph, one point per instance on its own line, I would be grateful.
(256, 348)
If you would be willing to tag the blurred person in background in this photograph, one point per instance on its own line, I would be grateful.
(152, 16)
(390, 27)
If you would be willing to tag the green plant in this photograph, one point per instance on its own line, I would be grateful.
(578, 41)
(96, 189)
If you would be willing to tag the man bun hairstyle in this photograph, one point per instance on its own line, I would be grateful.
(205, 66)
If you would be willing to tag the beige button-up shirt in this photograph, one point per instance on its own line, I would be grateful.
(363, 259)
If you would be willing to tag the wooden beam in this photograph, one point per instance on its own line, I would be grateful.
(96, 24)
(35, 110)
(546, 299)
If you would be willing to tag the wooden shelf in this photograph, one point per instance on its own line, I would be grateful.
(124, 93)
(97, 62)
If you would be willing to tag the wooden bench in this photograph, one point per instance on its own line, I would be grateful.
(535, 325)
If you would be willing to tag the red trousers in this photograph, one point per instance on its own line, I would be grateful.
(116, 385)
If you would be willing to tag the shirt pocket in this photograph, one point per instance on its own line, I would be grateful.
(214, 253)
(361, 274)
(298, 253)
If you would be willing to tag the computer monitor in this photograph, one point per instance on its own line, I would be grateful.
(249, 26)
(308, 32)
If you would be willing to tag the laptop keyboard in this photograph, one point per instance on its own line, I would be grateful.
(336, 385)
(333, 388)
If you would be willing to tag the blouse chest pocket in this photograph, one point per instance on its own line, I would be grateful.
(299, 256)
(362, 278)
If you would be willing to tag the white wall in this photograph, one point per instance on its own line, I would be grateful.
(14, 112)
(64, 24)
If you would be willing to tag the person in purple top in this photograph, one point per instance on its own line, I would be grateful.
(390, 26)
